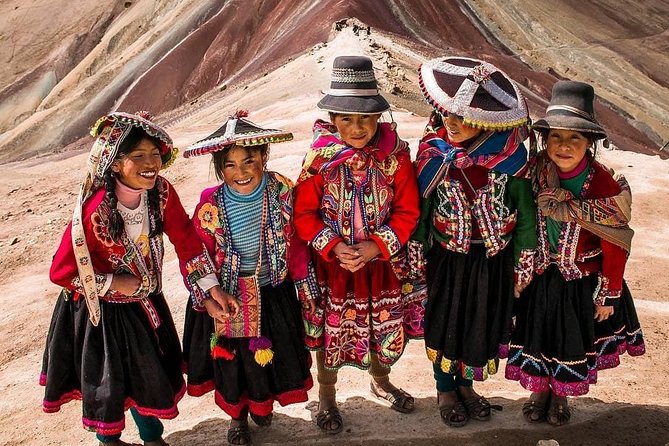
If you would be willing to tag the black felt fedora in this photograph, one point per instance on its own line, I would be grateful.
(353, 88)
(572, 108)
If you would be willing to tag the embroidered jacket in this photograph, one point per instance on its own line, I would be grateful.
(284, 254)
(478, 203)
(324, 209)
(143, 259)
(580, 252)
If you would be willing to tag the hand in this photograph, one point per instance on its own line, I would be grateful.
(125, 284)
(222, 305)
(603, 312)
(518, 288)
(368, 250)
(349, 258)
(309, 306)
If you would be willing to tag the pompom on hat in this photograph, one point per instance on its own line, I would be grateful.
(484, 96)
(237, 131)
(572, 108)
(353, 88)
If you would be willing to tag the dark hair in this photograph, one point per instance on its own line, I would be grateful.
(129, 143)
(591, 137)
(219, 157)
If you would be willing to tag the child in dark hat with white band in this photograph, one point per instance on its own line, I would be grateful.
(577, 316)
(477, 225)
(356, 203)
(258, 356)
(112, 342)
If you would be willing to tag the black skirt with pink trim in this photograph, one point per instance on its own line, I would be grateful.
(558, 345)
(240, 381)
(122, 363)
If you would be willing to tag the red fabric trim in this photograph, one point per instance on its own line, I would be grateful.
(201, 389)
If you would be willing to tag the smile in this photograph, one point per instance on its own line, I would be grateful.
(148, 174)
(243, 182)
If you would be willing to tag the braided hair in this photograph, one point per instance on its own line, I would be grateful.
(116, 223)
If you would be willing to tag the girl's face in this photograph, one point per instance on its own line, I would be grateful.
(243, 169)
(139, 168)
(356, 130)
(566, 148)
(457, 130)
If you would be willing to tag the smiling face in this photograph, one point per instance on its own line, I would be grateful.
(139, 167)
(566, 148)
(356, 130)
(457, 130)
(243, 169)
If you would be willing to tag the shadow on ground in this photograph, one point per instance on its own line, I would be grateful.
(367, 422)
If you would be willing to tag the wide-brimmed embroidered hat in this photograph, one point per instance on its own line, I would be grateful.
(484, 96)
(572, 108)
(237, 131)
(353, 88)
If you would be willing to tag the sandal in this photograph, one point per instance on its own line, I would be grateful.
(330, 421)
(453, 416)
(262, 421)
(558, 412)
(534, 411)
(478, 408)
(397, 398)
(239, 435)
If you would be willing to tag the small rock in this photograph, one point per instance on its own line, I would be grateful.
(547, 443)
(14, 241)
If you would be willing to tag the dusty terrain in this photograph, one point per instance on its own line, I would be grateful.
(630, 404)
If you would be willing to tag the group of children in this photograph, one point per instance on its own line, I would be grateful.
(484, 247)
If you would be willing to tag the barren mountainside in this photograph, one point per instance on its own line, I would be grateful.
(66, 62)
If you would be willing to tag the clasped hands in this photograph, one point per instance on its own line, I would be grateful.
(221, 305)
(355, 256)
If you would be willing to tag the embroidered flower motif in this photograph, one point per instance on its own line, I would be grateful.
(208, 216)
(143, 244)
(384, 315)
(407, 288)
(333, 320)
(480, 74)
(101, 231)
(350, 314)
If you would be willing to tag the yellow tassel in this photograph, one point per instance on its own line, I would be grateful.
(264, 356)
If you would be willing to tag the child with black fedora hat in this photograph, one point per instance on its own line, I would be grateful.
(356, 204)
(257, 356)
(477, 225)
(577, 316)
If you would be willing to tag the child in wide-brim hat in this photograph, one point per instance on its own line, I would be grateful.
(577, 316)
(258, 357)
(112, 342)
(356, 203)
(477, 225)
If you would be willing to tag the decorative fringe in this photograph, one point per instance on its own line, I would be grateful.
(218, 351)
(262, 347)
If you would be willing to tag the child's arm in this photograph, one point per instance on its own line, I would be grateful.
(525, 233)
(309, 224)
(404, 213)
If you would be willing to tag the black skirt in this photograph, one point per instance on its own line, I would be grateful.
(558, 345)
(241, 382)
(469, 309)
(121, 363)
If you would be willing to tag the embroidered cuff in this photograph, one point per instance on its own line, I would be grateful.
(603, 295)
(524, 269)
(324, 241)
(307, 288)
(100, 283)
(416, 256)
(387, 240)
(198, 268)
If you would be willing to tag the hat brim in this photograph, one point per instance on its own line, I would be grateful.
(574, 123)
(357, 105)
(212, 145)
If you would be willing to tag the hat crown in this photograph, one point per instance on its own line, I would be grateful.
(572, 96)
(353, 87)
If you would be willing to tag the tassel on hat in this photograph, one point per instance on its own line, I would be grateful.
(218, 351)
(262, 347)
